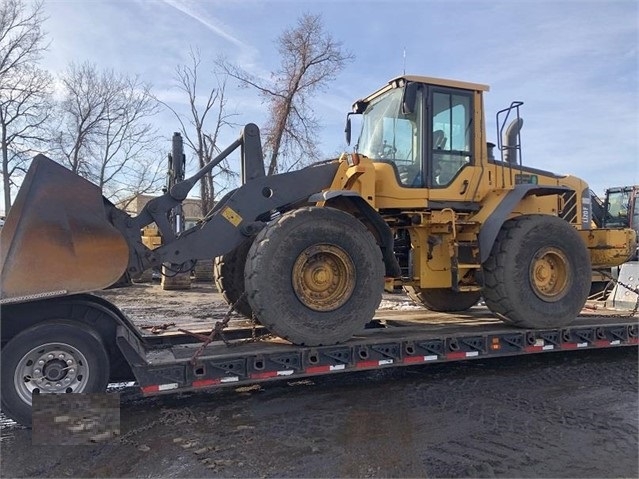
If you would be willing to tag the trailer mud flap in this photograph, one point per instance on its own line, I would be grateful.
(57, 239)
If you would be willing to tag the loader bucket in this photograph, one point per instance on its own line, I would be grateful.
(57, 239)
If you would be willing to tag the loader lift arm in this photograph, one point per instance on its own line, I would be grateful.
(240, 214)
(157, 210)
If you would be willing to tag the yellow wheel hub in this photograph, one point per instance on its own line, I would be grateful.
(324, 277)
(549, 273)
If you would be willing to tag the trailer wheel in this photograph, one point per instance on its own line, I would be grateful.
(229, 277)
(52, 357)
(443, 300)
(315, 276)
(538, 273)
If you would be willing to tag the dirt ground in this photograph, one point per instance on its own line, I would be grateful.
(554, 415)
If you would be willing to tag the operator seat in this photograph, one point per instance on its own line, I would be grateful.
(439, 164)
(439, 140)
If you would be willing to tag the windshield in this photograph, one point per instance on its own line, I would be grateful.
(392, 137)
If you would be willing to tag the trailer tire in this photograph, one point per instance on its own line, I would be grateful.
(76, 342)
(538, 272)
(228, 271)
(443, 300)
(315, 276)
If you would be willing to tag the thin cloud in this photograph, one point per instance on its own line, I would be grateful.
(247, 56)
(202, 19)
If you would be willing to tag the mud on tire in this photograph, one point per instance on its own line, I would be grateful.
(315, 276)
(538, 272)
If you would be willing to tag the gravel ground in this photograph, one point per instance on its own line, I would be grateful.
(554, 415)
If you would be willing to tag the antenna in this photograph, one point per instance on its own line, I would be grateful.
(404, 60)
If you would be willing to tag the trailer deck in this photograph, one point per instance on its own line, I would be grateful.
(392, 339)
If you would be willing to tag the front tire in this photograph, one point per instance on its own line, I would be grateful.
(315, 276)
(52, 357)
(443, 300)
(538, 272)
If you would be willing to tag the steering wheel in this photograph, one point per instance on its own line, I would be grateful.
(387, 152)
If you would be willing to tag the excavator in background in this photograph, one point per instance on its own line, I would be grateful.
(421, 202)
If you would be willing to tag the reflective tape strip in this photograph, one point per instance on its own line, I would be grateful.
(462, 354)
(325, 369)
(605, 343)
(159, 387)
(372, 364)
(537, 348)
(272, 374)
(419, 359)
(202, 383)
(230, 379)
(166, 387)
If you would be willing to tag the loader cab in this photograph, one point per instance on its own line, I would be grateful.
(423, 127)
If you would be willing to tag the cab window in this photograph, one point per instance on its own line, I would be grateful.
(450, 135)
(393, 137)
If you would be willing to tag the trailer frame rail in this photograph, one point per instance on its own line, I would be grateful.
(170, 369)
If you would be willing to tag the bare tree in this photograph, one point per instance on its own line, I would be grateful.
(25, 89)
(207, 117)
(310, 59)
(104, 134)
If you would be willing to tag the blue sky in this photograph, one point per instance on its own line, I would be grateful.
(573, 63)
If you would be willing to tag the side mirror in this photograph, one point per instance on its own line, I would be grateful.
(409, 98)
(347, 129)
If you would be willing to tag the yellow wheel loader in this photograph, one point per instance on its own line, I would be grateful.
(423, 202)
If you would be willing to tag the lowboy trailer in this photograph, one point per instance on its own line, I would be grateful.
(183, 357)
(163, 364)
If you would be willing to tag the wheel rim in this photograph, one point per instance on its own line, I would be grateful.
(51, 368)
(324, 277)
(549, 273)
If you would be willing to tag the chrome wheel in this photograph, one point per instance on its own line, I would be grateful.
(51, 368)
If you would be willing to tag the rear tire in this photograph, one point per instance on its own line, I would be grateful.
(443, 300)
(315, 276)
(51, 357)
(229, 277)
(538, 273)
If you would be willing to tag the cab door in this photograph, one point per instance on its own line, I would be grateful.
(451, 166)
